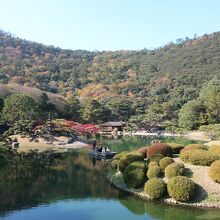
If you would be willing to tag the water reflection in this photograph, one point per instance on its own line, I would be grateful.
(157, 210)
(76, 176)
(129, 143)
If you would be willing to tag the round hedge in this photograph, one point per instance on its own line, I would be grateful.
(128, 158)
(159, 148)
(215, 149)
(153, 172)
(176, 148)
(194, 147)
(118, 156)
(114, 164)
(165, 162)
(185, 155)
(174, 169)
(214, 171)
(134, 175)
(143, 151)
(181, 188)
(155, 158)
(155, 188)
(153, 163)
(202, 158)
(199, 157)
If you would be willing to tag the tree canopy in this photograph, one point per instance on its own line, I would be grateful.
(19, 107)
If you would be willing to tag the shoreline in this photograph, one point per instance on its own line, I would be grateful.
(59, 144)
(115, 177)
(192, 135)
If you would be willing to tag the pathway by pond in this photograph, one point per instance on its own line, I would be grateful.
(78, 189)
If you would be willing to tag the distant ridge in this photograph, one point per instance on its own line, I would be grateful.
(189, 64)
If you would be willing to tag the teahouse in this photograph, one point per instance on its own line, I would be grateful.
(111, 126)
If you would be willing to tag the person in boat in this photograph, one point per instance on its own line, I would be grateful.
(103, 150)
(100, 149)
(107, 149)
(94, 145)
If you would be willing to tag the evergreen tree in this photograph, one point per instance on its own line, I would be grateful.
(19, 107)
(94, 112)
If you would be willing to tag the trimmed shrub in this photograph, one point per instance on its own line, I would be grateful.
(143, 151)
(155, 158)
(159, 148)
(155, 188)
(185, 155)
(181, 188)
(215, 149)
(114, 164)
(176, 148)
(118, 156)
(214, 171)
(194, 147)
(199, 157)
(134, 175)
(165, 162)
(153, 172)
(153, 163)
(202, 158)
(174, 169)
(128, 159)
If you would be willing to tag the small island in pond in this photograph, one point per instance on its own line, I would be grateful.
(170, 172)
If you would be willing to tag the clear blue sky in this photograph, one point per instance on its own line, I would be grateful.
(108, 24)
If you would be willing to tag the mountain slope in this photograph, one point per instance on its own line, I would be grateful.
(35, 93)
(145, 73)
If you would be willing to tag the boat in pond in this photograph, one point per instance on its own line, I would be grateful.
(97, 154)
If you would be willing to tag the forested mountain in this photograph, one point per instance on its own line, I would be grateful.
(154, 83)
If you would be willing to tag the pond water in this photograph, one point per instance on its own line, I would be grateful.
(77, 188)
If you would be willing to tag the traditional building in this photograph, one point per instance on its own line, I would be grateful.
(111, 126)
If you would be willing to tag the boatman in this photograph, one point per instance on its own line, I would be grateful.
(94, 145)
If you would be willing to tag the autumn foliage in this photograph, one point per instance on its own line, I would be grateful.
(159, 148)
(71, 126)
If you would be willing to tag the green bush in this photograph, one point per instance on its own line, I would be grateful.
(185, 155)
(194, 147)
(155, 188)
(174, 169)
(198, 157)
(176, 148)
(154, 171)
(118, 156)
(215, 149)
(135, 175)
(114, 164)
(214, 171)
(202, 158)
(143, 151)
(153, 163)
(159, 148)
(155, 158)
(181, 188)
(128, 158)
(165, 162)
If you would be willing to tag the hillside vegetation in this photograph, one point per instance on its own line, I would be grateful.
(146, 87)
(12, 88)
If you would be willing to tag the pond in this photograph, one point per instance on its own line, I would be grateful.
(77, 188)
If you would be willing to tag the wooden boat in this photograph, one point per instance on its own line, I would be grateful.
(108, 154)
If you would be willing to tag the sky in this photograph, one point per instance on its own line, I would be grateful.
(109, 24)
